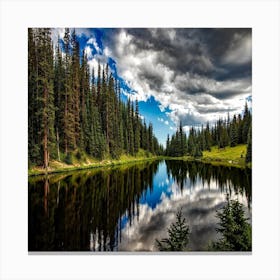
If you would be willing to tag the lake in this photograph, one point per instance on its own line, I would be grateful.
(126, 208)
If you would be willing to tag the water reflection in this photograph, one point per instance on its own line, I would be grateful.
(126, 208)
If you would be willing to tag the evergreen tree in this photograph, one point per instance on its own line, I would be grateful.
(46, 108)
(34, 146)
(246, 123)
(233, 132)
(234, 228)
(208, 138)
(167, 146)
(150, 138)
(249, 146)
(75, 74)
(178, 236)
(136, 128)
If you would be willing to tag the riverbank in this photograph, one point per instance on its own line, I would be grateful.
(59, 167)
(228, 156)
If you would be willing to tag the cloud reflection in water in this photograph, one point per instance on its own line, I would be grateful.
(198, 202)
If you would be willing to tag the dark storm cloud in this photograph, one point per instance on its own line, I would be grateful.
(190, 120)
(185, 63)
(224, 94)
(200, 51)
(178, 49)
(205, 110)
(153, 78)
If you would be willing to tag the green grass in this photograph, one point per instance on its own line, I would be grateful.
(229, 156)
(83, 161)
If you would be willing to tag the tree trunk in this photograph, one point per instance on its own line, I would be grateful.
(57, 141)
(45, 135)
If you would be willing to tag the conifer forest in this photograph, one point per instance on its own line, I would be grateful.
(72, 110)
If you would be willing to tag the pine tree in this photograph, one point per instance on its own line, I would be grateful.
(69, 116)
(239, 129)
(75, 73)
(34, 146)
(167, 146)
(249, 146)
(178, 236)
(46, 109)
(233, 132)
(150, 138)
(136, 128)
(234, 228)
(246, 123)
(208, 138)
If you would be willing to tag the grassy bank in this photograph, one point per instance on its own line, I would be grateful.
(85, 162)
(229, 156)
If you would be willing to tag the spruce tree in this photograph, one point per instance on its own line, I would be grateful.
(233, 132)
(46, 109)
(249, 146)
(178, 235)
(34, 146)
(136, 128)
(234, 228)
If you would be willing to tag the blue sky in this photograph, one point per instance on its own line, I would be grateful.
(177, 75)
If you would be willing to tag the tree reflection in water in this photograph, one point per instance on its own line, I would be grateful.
(124, 208)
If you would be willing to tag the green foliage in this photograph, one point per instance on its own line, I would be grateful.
(236, 232)
(178, 235)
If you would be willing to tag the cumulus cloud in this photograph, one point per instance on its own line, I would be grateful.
(186, 69)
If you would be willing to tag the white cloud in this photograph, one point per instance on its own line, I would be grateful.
(92, 41)
(107, 52)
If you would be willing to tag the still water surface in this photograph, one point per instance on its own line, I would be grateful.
(128, 207)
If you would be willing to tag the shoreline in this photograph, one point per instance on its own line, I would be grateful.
(106, 163)
(228, 157)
